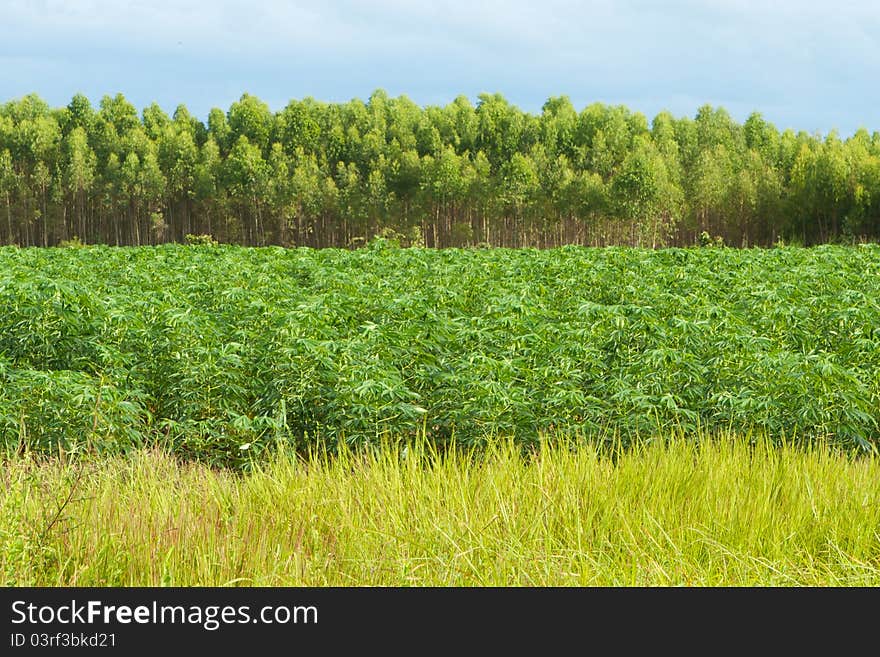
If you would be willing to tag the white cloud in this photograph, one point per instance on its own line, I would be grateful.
(281, 26)
(742, 53)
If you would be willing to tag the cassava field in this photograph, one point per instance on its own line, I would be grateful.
(218, 415)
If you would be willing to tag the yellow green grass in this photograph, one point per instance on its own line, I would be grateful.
(680, 512)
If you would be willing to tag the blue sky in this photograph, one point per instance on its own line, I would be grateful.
(805, 65)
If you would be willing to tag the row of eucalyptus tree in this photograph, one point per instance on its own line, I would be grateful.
(337, 174)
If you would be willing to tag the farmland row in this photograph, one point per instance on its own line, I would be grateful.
(219, 352)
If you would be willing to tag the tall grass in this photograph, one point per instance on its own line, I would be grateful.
(709, 512)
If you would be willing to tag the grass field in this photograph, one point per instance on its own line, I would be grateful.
(728, 511)
(161, 411)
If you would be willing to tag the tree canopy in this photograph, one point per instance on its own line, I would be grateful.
(338, 174)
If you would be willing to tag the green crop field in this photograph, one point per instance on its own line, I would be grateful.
(221, 353)
(227, 415)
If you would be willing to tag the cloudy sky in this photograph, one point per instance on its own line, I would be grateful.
(806, 65)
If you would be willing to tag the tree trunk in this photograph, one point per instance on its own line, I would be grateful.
(9, 217)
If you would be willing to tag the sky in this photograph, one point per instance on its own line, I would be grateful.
(804, 65)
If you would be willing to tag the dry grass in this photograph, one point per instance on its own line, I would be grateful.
(724, 512)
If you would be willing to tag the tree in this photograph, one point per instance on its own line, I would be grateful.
(246, 176)
(155, 121)
(219, 130)
(8, 184)
(178, 157)
(206, 182)
(299, 126)
(642, 194)
(307, 195)
(251, 118)
(519, 180)
(559, 126)
(762, 137)
(79, 114)
(79, 174)
(832, 179)
(325, 173)
(499, 128)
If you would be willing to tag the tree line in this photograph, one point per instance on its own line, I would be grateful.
(338, 174)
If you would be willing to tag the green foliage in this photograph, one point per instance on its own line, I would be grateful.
(324, 174)
(209, 350)
(73, 243)
(200, 240)
(707, 240)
